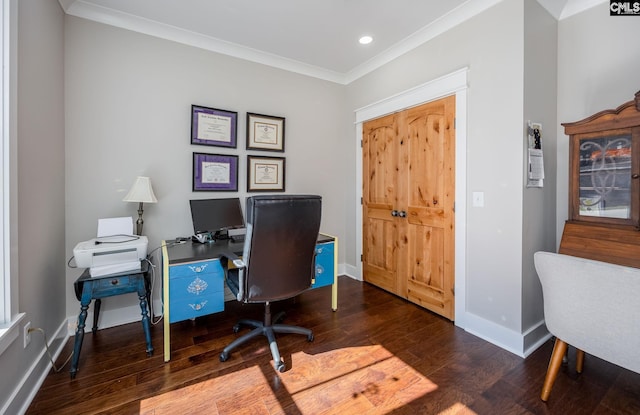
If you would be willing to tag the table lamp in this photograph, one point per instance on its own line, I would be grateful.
(140, 192)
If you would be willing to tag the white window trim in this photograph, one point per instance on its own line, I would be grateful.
(9, 318)
(9, 332)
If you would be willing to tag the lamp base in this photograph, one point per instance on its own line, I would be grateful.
(139, 222)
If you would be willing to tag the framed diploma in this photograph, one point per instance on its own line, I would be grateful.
(215, 172)
(265, 132)
(265, 174)
(213, 127)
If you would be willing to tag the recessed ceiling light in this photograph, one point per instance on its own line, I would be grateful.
(365, 40)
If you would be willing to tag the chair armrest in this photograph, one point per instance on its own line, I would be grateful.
(237, 261)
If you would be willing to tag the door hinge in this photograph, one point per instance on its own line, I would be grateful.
(455, 123)
(360, 143)
(361, 258)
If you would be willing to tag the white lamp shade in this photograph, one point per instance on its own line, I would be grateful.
(141, 191)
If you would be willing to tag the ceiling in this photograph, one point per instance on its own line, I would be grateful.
(314, 37)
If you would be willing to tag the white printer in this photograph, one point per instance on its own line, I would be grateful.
(111, 253)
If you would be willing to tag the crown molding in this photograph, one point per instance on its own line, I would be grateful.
(127, 21)
(89, 11)
(462, 13)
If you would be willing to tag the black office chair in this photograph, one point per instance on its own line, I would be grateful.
(277, 263)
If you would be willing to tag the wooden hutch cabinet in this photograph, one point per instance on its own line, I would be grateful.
(604, 186)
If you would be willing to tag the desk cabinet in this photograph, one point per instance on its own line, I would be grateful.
(195, 289)
(327, 266)
(324, 265)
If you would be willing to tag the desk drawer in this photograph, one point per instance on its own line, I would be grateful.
(114, 282)
(195, 306)
(196, 286)
(325, 249)
(195, 268)
(324, 264)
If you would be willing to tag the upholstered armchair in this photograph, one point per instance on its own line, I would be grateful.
(593, 306)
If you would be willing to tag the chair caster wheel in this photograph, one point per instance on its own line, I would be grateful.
(224, 357)
(310, 337)
(280, 367)
(236, 328)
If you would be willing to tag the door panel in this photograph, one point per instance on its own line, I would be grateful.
(426, 153)
(426, 281)
(430, 202)
(380, 268)
(380, 159)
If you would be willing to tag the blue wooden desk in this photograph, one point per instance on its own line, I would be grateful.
(89, 288)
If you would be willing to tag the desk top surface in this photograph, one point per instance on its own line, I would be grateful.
(194, 251)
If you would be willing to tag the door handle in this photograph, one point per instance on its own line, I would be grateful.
(394, 213)
(402, 214)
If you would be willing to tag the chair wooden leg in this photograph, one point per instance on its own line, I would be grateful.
(559, 350)
(579, 360)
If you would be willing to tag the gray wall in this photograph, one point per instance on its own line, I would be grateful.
(41, 204)
(598, 67)
(540, 90)
(128, 105)
(491, 45)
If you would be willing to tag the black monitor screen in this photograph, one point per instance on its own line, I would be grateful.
(215, 215)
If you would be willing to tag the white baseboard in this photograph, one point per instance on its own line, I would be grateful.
(350, 271)
(111, 318)
(28, 386)
(535, 337)
(520, 344)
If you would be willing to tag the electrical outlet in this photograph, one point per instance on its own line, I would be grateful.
(27, 334)
(72, 325)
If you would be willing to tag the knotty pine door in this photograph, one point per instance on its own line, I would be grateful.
(408, 204)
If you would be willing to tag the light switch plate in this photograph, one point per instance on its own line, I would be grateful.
(478, 199)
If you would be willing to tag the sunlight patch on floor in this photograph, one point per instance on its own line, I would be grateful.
(354, 380)
(457, 409)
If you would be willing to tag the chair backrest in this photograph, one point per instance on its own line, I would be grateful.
(593, 306)
(279, 249)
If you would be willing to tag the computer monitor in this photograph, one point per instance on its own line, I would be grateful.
(216, 216)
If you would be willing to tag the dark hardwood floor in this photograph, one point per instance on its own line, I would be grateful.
(377, 354)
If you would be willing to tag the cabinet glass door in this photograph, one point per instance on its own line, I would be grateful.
(605, 177)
